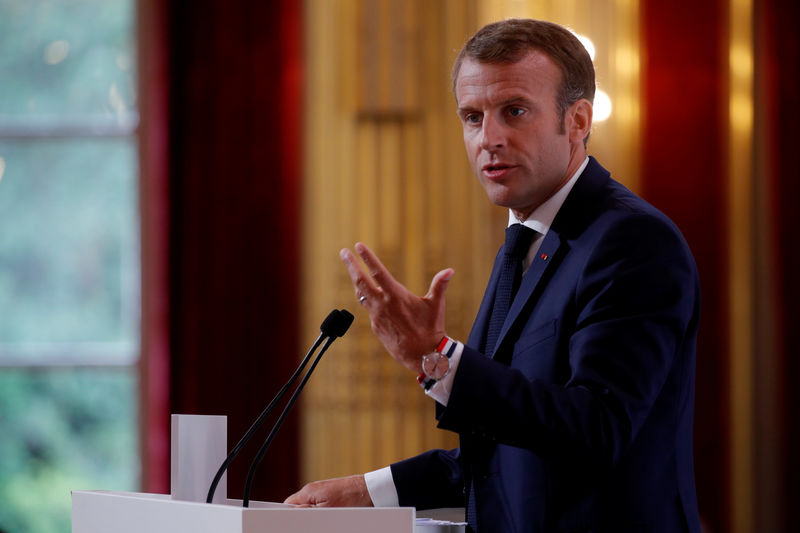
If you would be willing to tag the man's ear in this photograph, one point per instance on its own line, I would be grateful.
(579, 122)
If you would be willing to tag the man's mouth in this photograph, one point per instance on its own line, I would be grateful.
(496, 170)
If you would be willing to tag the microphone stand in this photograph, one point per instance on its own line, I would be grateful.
(292, 399)
(333, 317)
(337, 327)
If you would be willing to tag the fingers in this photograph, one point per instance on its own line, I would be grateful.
(297, 499)
(340, 492)
(294, 499)
(376, 269)
(439, 285)
(364, 286)
(380, 281)
(372, 285)
(311, 495)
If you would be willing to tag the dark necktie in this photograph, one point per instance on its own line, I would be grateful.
(518, 242)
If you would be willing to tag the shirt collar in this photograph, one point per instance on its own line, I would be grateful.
(543, 216)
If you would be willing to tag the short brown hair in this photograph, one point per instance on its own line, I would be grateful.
(508, 41)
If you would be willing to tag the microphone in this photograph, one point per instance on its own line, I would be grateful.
(335, 325)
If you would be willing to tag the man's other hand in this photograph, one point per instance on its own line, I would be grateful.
(348, 491)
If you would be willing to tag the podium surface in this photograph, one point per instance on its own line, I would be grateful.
(135, 512)
(198, 447)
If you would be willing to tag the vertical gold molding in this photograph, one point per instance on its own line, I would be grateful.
(384, 164)
(741, 238)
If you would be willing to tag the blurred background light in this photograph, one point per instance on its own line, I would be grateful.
(602, 106)
(587, 43)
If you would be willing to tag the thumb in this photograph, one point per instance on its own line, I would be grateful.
(439, 284)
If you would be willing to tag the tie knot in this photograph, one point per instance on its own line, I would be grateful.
(518, 240)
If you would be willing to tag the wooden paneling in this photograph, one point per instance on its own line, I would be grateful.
(385, 165)
(741, 267)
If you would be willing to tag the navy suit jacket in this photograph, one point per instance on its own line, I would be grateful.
(582, 420)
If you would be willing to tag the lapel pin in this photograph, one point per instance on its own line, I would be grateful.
(544, 257)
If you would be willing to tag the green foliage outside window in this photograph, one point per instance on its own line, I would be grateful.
(62, 430)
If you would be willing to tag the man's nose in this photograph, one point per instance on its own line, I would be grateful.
(492, 134)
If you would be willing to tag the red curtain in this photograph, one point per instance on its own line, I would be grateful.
(684, 160)
(683, 174)
(229, 251)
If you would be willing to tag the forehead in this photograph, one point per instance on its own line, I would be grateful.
(533, 77)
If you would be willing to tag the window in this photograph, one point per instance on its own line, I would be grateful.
(69, 257)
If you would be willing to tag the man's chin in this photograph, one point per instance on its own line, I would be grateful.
(502, 199)
(498, 194)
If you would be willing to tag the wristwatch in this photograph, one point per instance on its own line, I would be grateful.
(436, 365)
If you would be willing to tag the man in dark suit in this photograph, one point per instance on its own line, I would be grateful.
(573, 396)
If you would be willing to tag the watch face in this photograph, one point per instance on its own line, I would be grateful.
(435, 365)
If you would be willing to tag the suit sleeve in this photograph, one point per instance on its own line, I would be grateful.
(631, 308)
(430, 480)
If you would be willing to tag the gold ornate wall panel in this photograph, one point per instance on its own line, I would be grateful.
(385, 164)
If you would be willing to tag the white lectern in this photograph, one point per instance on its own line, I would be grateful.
(130, 512)
(185, 510)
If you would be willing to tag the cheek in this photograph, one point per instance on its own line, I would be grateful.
(473, 150)
(545, 148)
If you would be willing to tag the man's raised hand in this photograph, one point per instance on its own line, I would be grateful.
(408, 325)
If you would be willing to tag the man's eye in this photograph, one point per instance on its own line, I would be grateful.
(473, 118)
(515, 111)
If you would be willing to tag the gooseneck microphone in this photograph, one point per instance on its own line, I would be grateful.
(335, 325)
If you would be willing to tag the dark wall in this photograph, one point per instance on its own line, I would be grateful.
(781, 35)
(234, 180)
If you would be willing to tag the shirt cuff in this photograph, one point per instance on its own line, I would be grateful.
(440, 391)
(380, 485)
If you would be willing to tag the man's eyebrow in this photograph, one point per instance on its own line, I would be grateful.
(513, 100)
